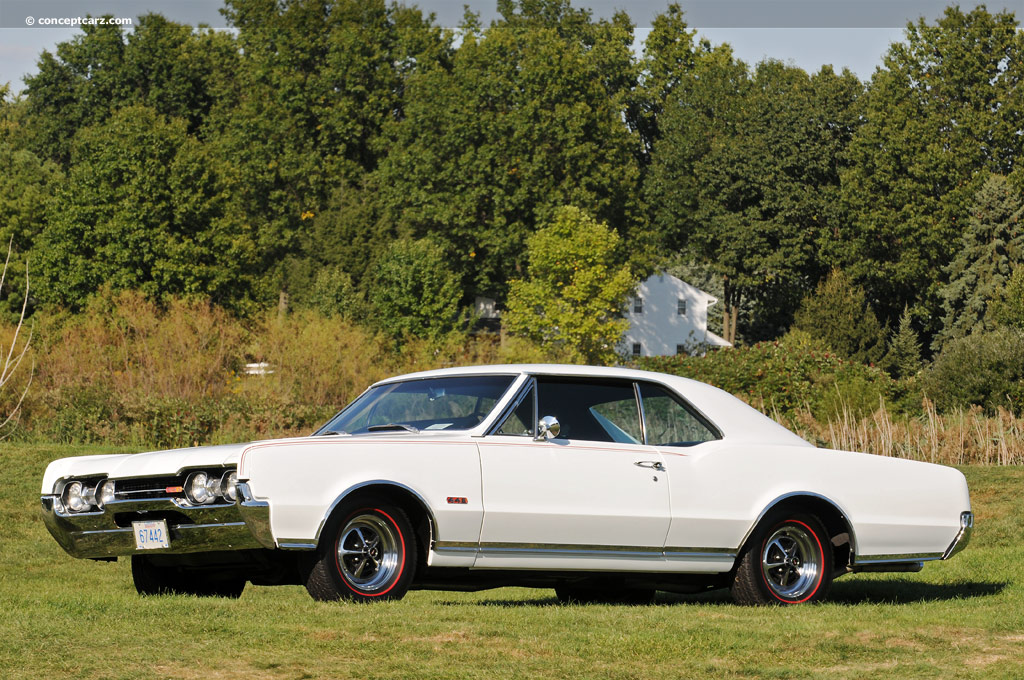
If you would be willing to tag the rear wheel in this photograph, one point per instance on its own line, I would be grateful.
(369, 554)
(789, 561)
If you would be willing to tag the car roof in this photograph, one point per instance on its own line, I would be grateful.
(734, 417)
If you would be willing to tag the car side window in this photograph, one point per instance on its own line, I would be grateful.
(519, 422)
(669, 422)
(593, 410)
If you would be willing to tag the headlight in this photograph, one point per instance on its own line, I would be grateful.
(105, 492)
(197, 488)
(74, 499)
(229, 486)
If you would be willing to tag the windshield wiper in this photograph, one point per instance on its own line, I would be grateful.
(392, 426)
(330, 432)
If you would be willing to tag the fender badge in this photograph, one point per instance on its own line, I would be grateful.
(457, 500)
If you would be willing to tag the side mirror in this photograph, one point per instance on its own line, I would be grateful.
(547, 428)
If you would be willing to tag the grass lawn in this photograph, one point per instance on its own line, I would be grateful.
(64, 618)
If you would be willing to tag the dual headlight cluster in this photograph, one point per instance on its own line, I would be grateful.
(203, 488)
(84, 497)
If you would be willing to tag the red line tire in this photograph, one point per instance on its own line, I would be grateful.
(367, 553)
(787, 561)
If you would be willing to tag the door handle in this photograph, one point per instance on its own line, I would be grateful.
(653, 464)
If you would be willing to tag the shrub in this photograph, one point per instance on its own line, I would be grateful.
(786, 376)
(985, 368)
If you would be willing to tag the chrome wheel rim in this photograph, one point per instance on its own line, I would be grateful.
(368, 553)
(791, 562)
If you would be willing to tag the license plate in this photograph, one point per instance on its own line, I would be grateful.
(151, 535)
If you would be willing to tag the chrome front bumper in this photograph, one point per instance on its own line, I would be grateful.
(108, 533)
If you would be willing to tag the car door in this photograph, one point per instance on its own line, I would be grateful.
(592, 497)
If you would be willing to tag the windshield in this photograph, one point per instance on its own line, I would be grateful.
(457, 403)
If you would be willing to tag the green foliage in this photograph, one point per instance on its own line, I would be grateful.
(528, 117)
(904, 357)
(1007, 308)
(942, 111)
(784, 377)
(574, 293)
(745, 178)
(170, 67)
(991, 248)
(838, 314)
(985, 368)
(317, 82)
(334, 295)
(143, 209)
(414, 291)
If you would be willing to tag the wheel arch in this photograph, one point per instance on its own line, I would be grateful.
(837, 523)
(415, 506)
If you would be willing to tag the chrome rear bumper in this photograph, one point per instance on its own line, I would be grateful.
(963, 537)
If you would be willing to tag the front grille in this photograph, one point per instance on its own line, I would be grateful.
(151, 487)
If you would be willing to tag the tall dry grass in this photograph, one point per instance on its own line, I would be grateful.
(963, 436)
(131, 372)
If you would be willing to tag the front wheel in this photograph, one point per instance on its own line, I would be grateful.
(789, 561)
(368, 554)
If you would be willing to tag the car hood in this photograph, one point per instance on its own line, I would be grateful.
(153, 463)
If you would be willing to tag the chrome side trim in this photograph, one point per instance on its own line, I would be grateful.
(456, 546)
(560, 549)
(963, 537)
(256, 515)
(710, 553)
(295, 544)
(896, 558)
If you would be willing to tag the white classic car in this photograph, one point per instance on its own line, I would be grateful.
(602, 483)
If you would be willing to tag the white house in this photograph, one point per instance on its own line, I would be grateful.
(669, 316)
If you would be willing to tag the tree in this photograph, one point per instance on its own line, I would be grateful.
(528, 118)
(26, 184)
(944, 108)
(838, 314)
(318, 80)
(904, 357)
(143, 208)
(745, 178)
(992, 246)
(1007, 308)
(173, 68)
(415, 292)
(574, 292)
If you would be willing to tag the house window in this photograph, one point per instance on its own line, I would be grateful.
(681, 349)
(638, 305)
(636, 349)
(681, 307)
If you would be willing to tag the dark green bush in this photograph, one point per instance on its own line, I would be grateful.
(791, 374)
(985, 368)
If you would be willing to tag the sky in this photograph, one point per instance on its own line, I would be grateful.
(805, 33)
